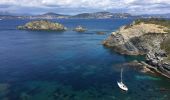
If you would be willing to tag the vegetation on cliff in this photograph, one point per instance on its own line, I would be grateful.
(43, 25)
(165, 45)
(157, 21)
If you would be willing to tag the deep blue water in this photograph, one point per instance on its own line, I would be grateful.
(42, 65)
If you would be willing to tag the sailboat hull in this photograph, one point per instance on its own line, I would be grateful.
(122, 86)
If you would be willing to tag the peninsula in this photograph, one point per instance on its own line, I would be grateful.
(149, 37)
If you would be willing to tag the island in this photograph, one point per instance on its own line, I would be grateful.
(80, 29)
(148, 37)
(43, 25)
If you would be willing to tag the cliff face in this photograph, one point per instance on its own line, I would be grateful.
(143, 39)
(136, 39)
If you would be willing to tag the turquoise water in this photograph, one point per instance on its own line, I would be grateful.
(36, 65)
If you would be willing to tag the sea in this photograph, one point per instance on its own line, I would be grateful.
(49, 65)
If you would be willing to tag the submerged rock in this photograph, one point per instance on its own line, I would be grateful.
(144, 37)
(100, 33)
(80, 29)
(25, 96)
(43, 25)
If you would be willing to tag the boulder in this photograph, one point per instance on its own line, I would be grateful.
(80, 29)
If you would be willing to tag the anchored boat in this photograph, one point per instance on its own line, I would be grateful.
(121, 84)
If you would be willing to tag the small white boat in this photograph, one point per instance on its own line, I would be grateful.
(121, 84)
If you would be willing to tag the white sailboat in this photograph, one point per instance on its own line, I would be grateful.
(121, 84)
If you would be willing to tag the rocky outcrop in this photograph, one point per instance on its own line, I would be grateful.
(136, 39)
(42, 25)
(79, 29)
(143, 39)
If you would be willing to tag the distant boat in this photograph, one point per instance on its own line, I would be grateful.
(0, 19)
(121, 84)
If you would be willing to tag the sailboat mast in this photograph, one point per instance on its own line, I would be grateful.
(121, 74)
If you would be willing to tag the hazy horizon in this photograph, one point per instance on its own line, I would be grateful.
(71, 7)
(41, 13)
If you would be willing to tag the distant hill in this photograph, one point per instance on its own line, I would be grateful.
(96, 15)
(13, 14)
(5, 13)
(102, 15)
(10, 17)
(49, 15)
(156, 15)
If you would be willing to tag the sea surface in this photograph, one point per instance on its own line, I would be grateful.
(48, 65)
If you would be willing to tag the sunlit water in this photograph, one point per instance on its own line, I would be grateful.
(37, 65)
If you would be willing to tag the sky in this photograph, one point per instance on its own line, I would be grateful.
(82, 6)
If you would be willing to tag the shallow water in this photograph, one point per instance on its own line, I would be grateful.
(36, 65)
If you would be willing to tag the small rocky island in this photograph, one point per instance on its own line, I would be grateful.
(43, 25)
(149, 37)
(80, 29)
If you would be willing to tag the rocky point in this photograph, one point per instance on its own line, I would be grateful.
(147, 37)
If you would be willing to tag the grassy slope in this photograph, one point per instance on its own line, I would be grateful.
(163, 22)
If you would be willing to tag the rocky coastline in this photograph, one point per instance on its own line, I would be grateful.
(149, 37)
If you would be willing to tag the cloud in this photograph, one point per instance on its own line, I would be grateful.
(132, 6)
(149, 6)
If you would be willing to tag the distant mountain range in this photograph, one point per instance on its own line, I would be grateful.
(96, 15)
(156, 15)
(102, 15)
(49, 15)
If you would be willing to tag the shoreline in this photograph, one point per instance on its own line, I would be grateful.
(154, 69)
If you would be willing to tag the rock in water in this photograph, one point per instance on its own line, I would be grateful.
(43, 25)
(100, 33)
(80, 29)
(144, 37)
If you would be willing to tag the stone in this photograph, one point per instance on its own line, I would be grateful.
(79, 29)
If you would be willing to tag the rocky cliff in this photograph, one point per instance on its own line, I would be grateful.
(42, 25)
(144, 37)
